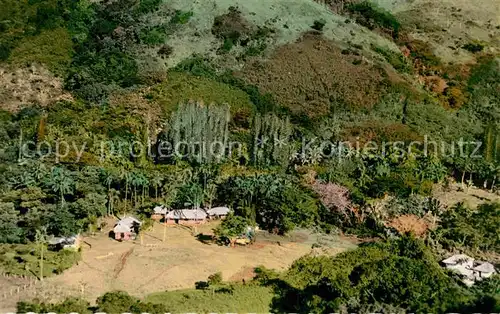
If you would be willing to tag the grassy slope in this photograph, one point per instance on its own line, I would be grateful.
(449, 24)
(244, 299)
(289, 18)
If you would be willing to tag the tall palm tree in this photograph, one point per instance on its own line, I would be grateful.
(144, 183)
(109, 177)
(41, 240)
(135, 181)
(60, 182)
(113, 196)
(156, 182)
(126, 176)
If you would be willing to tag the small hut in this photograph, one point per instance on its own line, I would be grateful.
(186, 216)
(126, 228)
(66, 243)
(484, 270)
(218, 212)
(159, 212)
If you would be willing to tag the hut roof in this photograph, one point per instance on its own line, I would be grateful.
(126, 224)
(485, 267)
(190, 214)
(129, 221)
(218, 211)
(160, 210)
(458, 259)
(62, 240)
(122, 228)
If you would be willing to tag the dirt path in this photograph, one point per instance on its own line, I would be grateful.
(123, 259)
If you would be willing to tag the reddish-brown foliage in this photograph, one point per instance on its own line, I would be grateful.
(313, 74)
(410, 224)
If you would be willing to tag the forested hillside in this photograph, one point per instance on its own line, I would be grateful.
(343, 117)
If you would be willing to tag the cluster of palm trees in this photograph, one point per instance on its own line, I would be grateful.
(138, 187)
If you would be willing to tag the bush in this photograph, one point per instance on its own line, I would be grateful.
(397, 60)
(215, 279)
(462, 227)
(473, 47)
(232, 226)
(319, 25)
(400, 274)
(372, 15)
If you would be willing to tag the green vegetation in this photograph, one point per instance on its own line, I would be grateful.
(233, 298)
(370, 15)
(397, 60)
(398, 275)
(181, 88)
(469, 229)
(473, 47)
(275, 169)
(52, 48)
(24, 259)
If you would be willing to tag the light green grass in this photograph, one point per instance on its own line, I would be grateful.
(24, 259)
(248, 298)
(181, 88)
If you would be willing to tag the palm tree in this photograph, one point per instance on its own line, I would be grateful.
(109, 177)
(113, 196)
(41, 239)
(156, 182)
(145, 186)
(135, 180)
(60, 182)
(125, 175)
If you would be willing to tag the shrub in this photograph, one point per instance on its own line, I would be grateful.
(215, 279)
(231, 226)
(462, 227)
(372, 15)
(473, 47)
(397, 60)
(181, 87)
(52, 48)
(181, 17)
(319, 25)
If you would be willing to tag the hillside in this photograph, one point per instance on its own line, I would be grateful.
(322, 126)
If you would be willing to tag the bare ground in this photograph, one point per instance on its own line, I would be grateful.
(177, 263)
(470, 196)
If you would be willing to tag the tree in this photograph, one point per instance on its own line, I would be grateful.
(195, 129)
(156, 181)
(398, 274)
(60, 182)
(271, 140)
(10, 232)
(41, 240)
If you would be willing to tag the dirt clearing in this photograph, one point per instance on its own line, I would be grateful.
(177, 263)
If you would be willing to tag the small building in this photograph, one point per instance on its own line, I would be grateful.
(484, 270)
(67, 243)
(186, 216)
(218, 212)
(159, 212)
(470, 270)
(126, 228)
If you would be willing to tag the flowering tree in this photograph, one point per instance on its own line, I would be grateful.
(334, 197)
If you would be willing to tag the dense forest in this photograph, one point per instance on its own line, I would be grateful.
(127, 132)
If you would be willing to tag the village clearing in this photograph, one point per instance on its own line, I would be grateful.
(180, 261)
